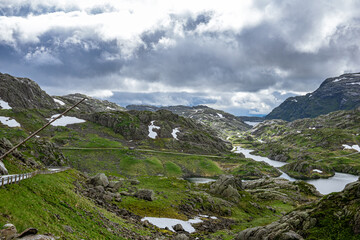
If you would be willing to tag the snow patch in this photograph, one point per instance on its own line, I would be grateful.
(294, 100)
(298, 131)
(313, 128)
(174, 133)
(59, 101)
(9, 122)
(355, 147)
(4, 105)
(65, 120)
(170, 222)
(339, 79)
(152, 134)
(358, 83)
(110, 108)
(317, 170)
(220, 115)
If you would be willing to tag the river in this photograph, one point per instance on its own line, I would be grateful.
(335, 183)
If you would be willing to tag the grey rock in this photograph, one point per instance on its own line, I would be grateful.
(115, 185)
(99, 189)
(99, 180)
(227, 186)
(8, 231)
(145, 194)
(68, 229)
(178, 228)
(134, 182)
(181, 236)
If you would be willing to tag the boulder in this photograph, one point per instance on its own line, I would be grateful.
(145, 194)
(8, 231)
(181, 236)
(99, 180)
(178, 228)
(115, 186)
(227, 186)
(68, 229)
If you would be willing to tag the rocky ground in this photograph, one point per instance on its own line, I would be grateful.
(335, 216)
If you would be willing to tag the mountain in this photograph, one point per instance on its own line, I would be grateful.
(23, 93)
(338, 93)
(220, 121)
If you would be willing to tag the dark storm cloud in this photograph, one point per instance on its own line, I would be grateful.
(293, 48)
(159, 98)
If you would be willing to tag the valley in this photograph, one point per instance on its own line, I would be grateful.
(131, 168)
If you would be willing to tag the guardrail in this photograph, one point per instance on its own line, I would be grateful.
(16, 178)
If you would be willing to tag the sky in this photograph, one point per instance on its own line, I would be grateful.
(244, 57)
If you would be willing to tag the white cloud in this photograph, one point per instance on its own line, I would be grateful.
(100, 93)
(42, 56)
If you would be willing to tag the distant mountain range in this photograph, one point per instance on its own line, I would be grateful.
(338, 93)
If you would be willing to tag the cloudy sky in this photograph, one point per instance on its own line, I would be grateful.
(244, 57)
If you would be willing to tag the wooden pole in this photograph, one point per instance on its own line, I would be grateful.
(40, 129)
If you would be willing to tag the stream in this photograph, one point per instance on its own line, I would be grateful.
(335, 183)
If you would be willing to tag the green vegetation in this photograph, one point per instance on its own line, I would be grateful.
(48, 202)
(313, 143)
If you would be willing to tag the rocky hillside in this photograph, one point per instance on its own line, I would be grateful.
(23, 93)
(336, 216)
(218, 120)
(338, 93)
(327, 143)
(162, 128)
(90, 105)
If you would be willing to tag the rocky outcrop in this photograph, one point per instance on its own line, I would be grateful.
(9, 232)
(6, 145)
(307, 170)
(335, 216)
(90, 105)
(23, 93)
(281, 189)
(339, 93)
(48, 153)
(227, 186)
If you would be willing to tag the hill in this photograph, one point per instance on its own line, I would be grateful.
(221, 122)
(338, 93)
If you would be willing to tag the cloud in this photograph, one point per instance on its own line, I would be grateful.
(246, 55)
